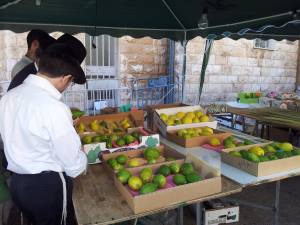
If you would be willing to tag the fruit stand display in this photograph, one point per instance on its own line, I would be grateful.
(263, 159)
(249, 97)
(182, 118)
(157, 185)
(115, 132)
(140, 158)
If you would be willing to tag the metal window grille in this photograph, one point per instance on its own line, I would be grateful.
(265, 44)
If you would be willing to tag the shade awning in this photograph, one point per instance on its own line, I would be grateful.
(174, 19)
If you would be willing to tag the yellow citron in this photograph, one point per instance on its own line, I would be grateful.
(164, 116)
(196, 120)
(199, 114)
(257, 151)
(204, 118)
(134, 162)
(170, 122)
(180, 115)
(187, 120)
(214, 141)
(135, 183)
(198, 130)
(191, 114)
(208, 130)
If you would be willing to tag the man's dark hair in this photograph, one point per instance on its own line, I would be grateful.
(41, 36)
(57, 61)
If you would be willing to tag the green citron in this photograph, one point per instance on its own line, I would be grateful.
(240, 144)
(160, 180)
(248, 142)
(281, 154)
(148, 188)
(114, 137)
(264, 158)
(136, 135)
(273, 157)
(235, 153)
(96, 139)
(77, 113)
(108, 143)
(244, 154)
(123, 176)
(151, 153)
(253, 157)
(122, 159)
(117, 167)
(146, 175)
(121, 142)
(296, 152)
(164, 170)
(230, 145)
(87, 140)
(175, 168)
(112, 162)
(275, 145)
(193, 177)
(228, 141)
(179, 179)
(129, 139)
(187, 168)
(269, 148)
(152, 161)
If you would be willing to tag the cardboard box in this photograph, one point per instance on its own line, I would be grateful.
(96, 148)
(165, 153)
(196, 141)
(136, 117)
(175, 195)
(261, 168)
(220, 216)
(150, 109)
(163, 128)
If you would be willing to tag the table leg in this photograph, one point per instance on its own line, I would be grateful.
(276, 206)
(199, 220)
(262, 132)
(180, 215)
(243, 124)
(135, 221)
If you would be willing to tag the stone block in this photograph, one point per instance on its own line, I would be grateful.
(226, 69)
(290, 72)
(237, 61)
(194, 58)
(238, 70)
(252, 62)
(196, 69)
(135, 68)
(220, 60)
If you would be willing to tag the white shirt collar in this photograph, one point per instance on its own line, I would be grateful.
(44, 84)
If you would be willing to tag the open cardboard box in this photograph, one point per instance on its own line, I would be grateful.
(136, 118)
(165, 153)
(175, 195)
(261, 168)
(196, 141)
(150, 109)
(164, 128)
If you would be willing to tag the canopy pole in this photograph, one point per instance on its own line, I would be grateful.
(184, 44)
(208, 46)
(174, 15)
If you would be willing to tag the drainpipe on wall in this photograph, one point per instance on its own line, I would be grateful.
(298, 67)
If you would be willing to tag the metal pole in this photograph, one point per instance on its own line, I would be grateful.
(180, 215)
(276, 206)
(199, 213)
(184, 43)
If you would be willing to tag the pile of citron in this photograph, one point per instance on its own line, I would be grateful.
(273, 151)
(195, 132)
(184, 118)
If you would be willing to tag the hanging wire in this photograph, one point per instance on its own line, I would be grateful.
(9, 4)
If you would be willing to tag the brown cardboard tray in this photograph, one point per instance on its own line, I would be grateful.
(175, 195)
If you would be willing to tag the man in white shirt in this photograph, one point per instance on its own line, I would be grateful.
(41, 145)
(37, 41)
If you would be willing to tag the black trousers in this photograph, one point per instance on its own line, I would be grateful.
(40, 197)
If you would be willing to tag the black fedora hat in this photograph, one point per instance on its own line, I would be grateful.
(62, 52)
(78, 49)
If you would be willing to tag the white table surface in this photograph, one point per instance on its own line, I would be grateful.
(214, 159)
(245, 106)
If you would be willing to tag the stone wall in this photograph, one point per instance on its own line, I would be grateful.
(236, 66)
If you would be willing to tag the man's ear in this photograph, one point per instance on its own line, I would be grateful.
(67, 77)
(35, 44)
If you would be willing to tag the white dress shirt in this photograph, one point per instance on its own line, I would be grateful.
(37, 130)
(24, 61)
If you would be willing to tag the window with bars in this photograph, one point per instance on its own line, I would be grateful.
(265, 44)
(101, 59)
